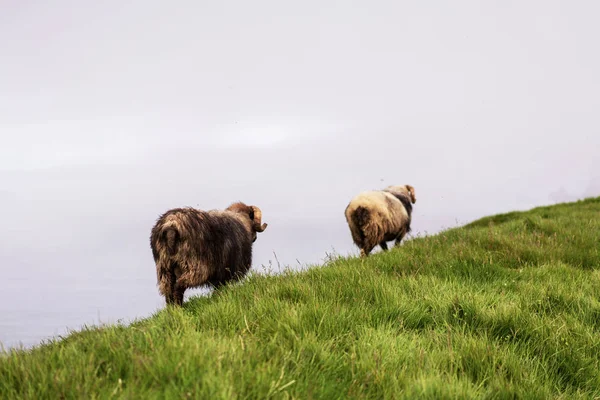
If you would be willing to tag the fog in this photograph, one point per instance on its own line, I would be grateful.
(111, 113)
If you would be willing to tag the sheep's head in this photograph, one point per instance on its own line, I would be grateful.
(406, 190)
(253, 213)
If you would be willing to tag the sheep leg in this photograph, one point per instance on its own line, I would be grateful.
(364, 252)
(174, 291)
(218, 286)
(175, 296)
(171, 297)
(384, 245)
(168, 286)
(399, 239)
(178, 295)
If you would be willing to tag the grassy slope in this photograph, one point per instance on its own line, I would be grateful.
(508, 305)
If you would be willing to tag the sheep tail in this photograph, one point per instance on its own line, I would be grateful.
(360, 219)
(171, 240)
(165, 265)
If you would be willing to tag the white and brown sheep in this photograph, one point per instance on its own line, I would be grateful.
(192, 248)
(376, 217)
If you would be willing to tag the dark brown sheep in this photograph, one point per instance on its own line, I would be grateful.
(378, 216)
(192, 248)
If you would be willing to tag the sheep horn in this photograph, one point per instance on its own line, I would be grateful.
(411, 190)
(257, 220)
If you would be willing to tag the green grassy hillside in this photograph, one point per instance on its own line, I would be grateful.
(505, 307)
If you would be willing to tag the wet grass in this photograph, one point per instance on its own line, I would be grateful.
(505, 307)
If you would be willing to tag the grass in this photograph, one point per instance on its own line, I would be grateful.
(505, 307)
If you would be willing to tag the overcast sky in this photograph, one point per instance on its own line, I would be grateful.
(112, 112)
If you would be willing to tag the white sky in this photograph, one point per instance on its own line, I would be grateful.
(112, 112)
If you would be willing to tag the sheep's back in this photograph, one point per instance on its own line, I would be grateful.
(384, 206)
(212, 239)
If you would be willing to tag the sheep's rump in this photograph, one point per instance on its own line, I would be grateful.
(193, 247)
(377, 216)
